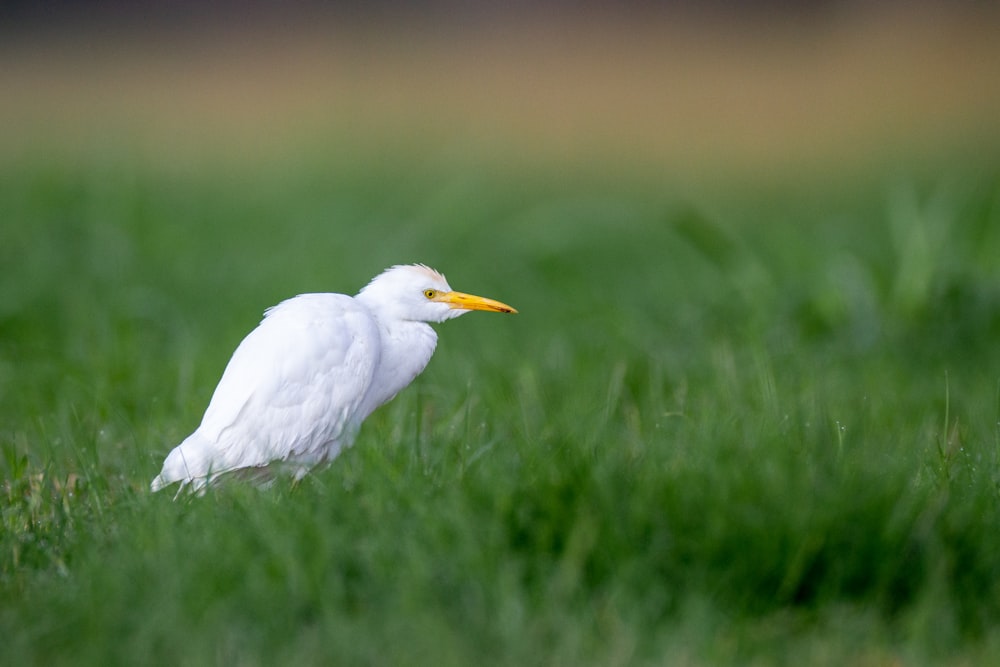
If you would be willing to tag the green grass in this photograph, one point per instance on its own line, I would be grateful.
(726, 428)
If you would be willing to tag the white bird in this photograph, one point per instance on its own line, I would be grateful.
(299, 386)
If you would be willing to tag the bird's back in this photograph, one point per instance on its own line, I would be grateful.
(290, 393)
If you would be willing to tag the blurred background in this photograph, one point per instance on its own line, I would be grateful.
(686, 90)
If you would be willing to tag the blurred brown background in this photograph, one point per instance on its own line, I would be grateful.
(744, 89)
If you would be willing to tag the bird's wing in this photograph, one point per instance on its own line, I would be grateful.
(293, 385)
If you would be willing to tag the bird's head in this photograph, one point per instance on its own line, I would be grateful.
(416, 292)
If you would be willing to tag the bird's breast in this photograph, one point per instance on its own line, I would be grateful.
(406, 348)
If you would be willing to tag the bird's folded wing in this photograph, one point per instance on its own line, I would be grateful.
(294, 384)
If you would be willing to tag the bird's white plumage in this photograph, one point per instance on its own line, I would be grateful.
(299, 385)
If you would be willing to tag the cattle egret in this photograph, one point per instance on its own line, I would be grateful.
(298, 387)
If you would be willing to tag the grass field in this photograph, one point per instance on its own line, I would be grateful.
(730, 425)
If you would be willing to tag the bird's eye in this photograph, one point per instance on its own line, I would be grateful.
(430, 293)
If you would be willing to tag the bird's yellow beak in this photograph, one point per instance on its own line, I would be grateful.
(471, 302)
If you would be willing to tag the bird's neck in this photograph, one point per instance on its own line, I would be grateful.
(405, 348)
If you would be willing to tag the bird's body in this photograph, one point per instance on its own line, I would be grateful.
(299, 386)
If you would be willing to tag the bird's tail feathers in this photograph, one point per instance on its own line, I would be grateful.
(187, 463)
